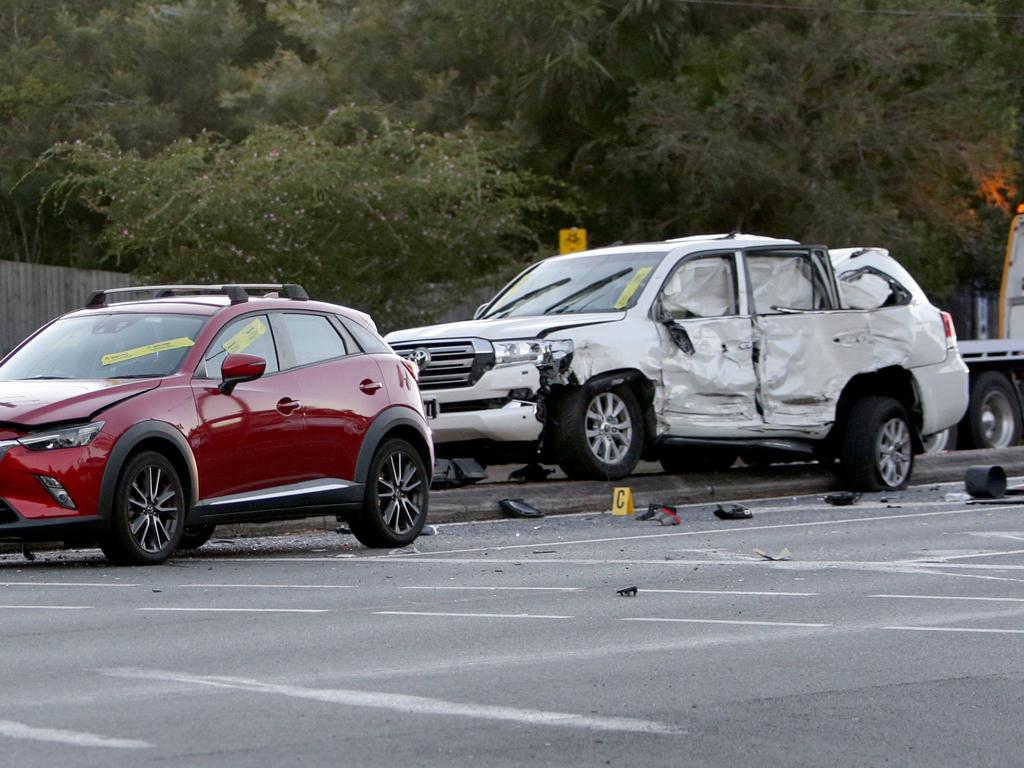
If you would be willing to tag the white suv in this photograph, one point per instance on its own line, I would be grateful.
(694, 351)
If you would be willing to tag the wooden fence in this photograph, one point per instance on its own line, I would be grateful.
(32, 294)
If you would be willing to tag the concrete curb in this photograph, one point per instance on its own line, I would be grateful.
(480, 502)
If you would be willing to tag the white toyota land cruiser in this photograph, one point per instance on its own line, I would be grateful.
(694, 351)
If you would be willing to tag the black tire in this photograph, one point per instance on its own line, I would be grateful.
(397, 497)
(599, 433)
(681, 461)
(993, 413)
(876, 452)
(195, 536)
(148, 514)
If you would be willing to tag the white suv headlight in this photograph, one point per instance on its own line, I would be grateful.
(72, 437)
(535, 351)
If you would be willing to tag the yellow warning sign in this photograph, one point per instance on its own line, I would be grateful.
(149, 349)
(622, 501)
(572, 240)
(631, 286)
(246, 336)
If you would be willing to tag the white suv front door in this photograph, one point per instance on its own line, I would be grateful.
(707, 342)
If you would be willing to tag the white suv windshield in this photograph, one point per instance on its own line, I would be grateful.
(106, 346)
(593, 283)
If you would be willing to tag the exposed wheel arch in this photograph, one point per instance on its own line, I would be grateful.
(156, 436)
(894, 382)
(641, 386)
(396, 421)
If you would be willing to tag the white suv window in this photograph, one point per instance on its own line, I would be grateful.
(704, 287)
(786, 280)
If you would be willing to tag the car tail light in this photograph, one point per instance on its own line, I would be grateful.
(949, 328)
(414, 370)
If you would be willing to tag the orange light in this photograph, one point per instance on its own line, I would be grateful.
(1020, 207)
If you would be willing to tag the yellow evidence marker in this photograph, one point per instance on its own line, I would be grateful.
(622, 501)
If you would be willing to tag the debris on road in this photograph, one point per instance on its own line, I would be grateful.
(956, 497)
(628, 592)
(732, 512)
(985, 482)
(652, 510)
(841, 498)
(455, 473)
(343, 530)
(667, 516)
(543, 551)
(519, 508)
(785, 554)
(531, 473)
(429, 530)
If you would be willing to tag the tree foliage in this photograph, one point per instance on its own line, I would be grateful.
(656, 117)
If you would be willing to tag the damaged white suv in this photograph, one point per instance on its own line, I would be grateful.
(694, 351)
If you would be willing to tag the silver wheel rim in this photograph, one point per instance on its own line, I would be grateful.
(937, 443)
(400, 493)
(154, 508)
(894, 452)
(609, 429)
(996, 420)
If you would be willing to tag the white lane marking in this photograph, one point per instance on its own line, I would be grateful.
(428, 556)
(954, 597)
(420, 705)
(504, 589)
(13, 730)
(271, 586)
(645, 590)
(941, 559)
(471, 615)
(45, 607)
(61, 584)
(235, 610)
(730, 621)
(704, 532)
(980, 630)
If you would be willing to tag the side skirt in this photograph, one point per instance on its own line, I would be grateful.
(328, 496)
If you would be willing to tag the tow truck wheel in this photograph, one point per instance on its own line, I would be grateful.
(993, 419)
(876, 452)
(599, 433)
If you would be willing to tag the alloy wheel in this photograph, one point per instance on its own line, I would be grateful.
(400, 492)
(154, 508)
(894, 452)
(609, 429)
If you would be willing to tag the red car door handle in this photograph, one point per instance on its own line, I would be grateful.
(286, 405)
(369, 386)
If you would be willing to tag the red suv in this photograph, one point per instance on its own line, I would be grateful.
(142, 424)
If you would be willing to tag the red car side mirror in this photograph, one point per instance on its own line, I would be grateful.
(239, 367)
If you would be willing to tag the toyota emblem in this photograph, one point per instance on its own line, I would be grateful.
(420, 356)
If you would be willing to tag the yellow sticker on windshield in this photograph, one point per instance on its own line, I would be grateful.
(246, 336)
(631, 286)
(149, 349)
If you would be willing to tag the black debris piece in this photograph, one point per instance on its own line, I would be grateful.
(343, 530)
(455, 473)
(650, 512)
(783, 555)
(628, 592)
(985, 482)
(519, 508)
(843, 498)
(531, 473)
(732, 512)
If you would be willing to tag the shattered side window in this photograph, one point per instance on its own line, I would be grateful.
(786, 280)
(703, 287)
(869, 289)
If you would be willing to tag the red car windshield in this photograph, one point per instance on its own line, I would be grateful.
(105, 346)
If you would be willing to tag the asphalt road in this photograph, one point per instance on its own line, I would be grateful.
(893, 635)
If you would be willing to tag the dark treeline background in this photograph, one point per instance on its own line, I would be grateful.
(394, 154)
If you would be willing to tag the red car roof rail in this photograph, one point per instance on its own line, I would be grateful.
(237, 292)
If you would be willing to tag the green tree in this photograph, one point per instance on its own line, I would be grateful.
(359, 209)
